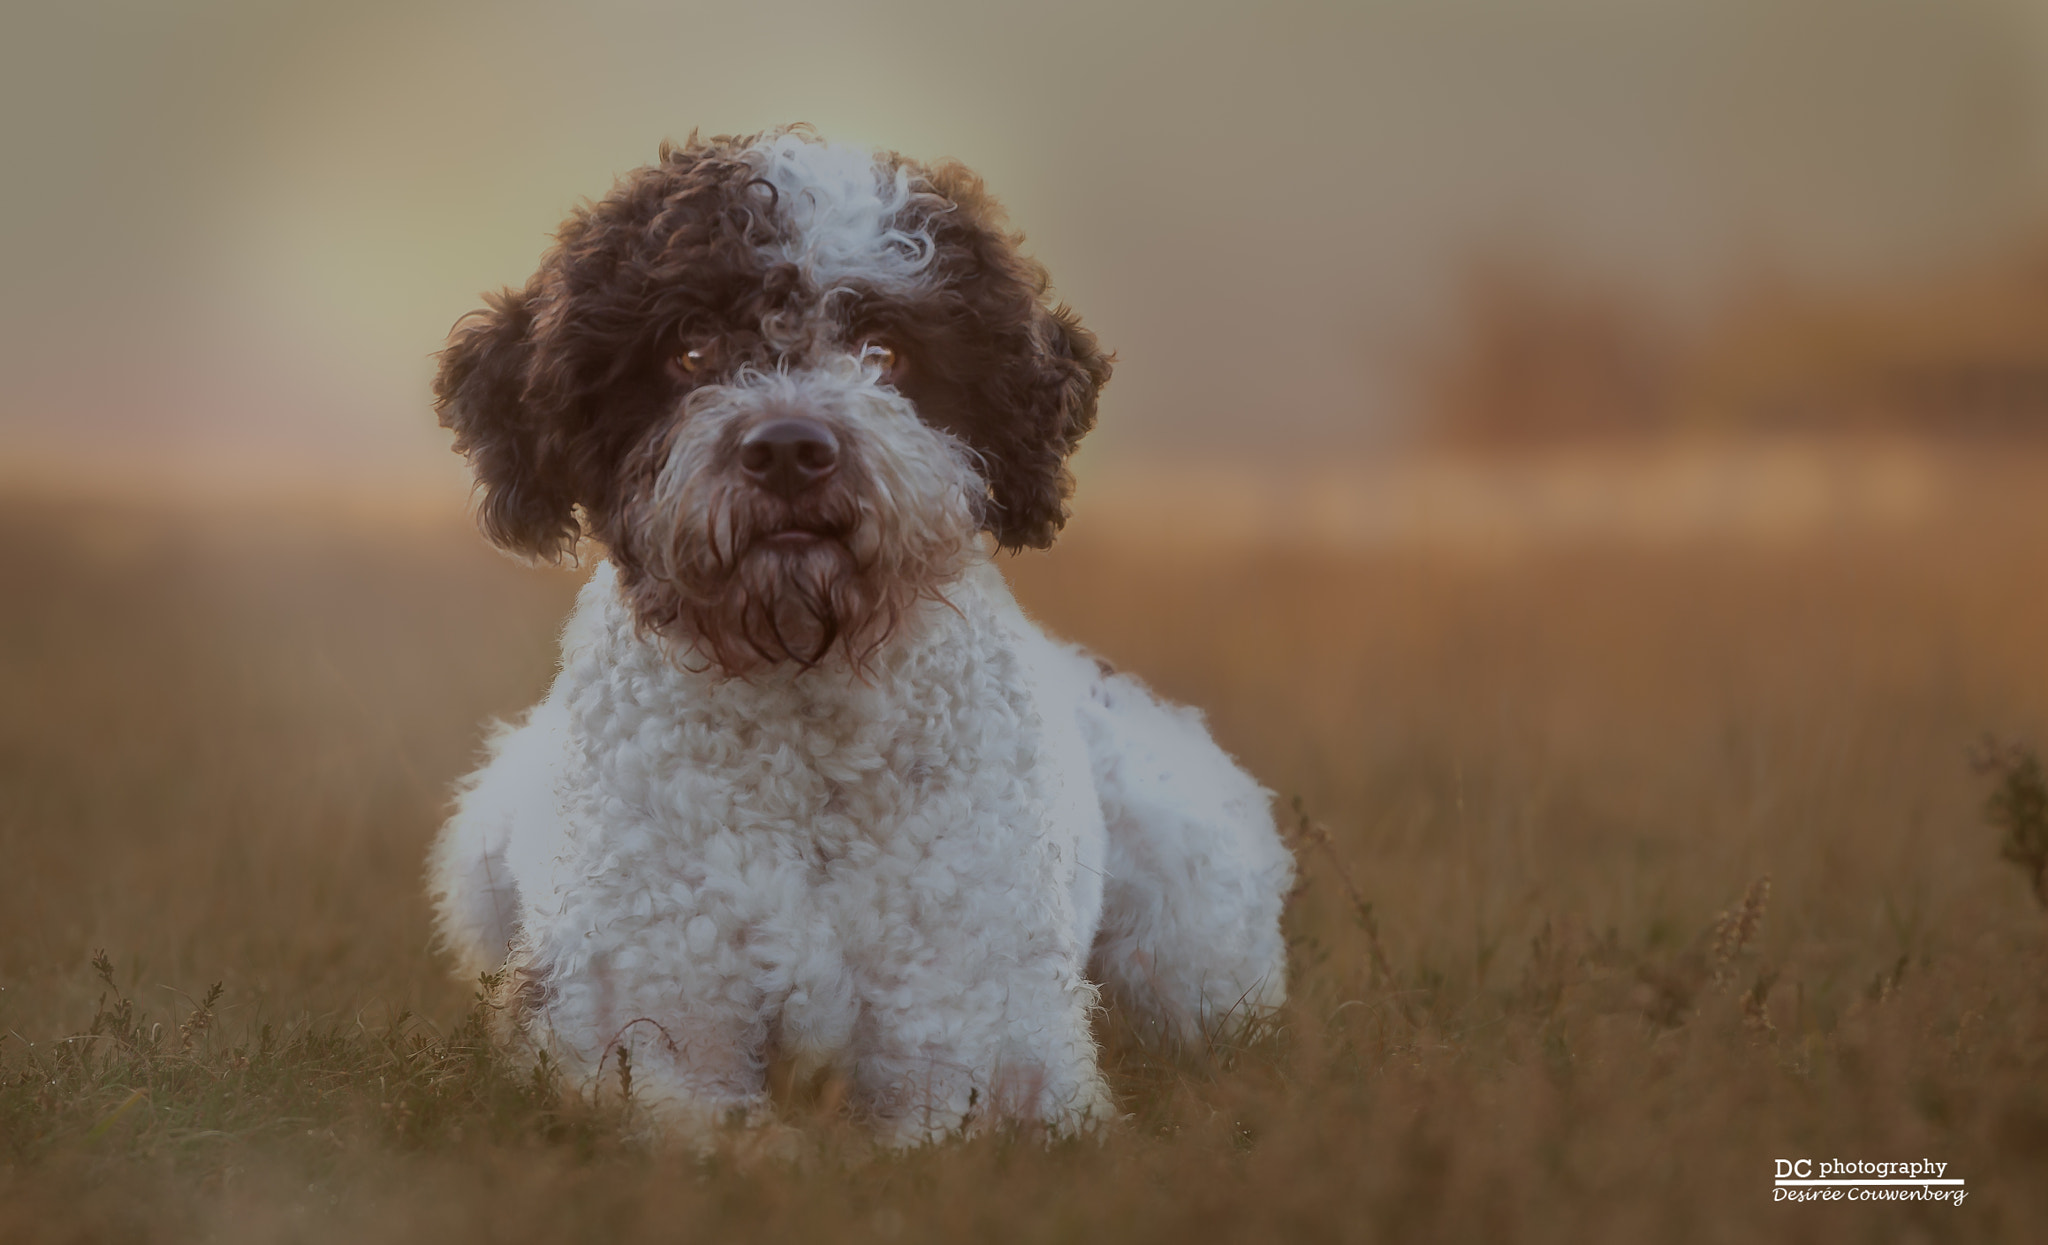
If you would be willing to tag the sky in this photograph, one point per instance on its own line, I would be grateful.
(234, 233)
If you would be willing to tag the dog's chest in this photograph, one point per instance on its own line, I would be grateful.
(823, 764)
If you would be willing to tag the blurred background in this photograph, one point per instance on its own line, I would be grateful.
(1336, 246)
(1589, 455)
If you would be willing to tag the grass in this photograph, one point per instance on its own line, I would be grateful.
(2018, 806)
(1627, 871)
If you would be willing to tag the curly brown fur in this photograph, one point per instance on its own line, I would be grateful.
(1014, 378)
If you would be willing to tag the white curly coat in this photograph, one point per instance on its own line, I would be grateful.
(903, 875)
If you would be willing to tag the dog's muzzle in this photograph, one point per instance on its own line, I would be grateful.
(789, 457)
(795, 513)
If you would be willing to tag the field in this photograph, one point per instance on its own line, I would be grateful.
(1542, 991)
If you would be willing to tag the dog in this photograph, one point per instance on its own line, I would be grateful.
(809, 785)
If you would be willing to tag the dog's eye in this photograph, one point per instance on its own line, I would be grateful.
(694, 357)
(883, 356)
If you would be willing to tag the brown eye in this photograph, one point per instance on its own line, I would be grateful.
(692, 359)
(884, 356)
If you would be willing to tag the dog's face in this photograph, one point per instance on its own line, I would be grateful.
(786, 384)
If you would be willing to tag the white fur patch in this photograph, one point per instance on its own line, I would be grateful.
(852, 219)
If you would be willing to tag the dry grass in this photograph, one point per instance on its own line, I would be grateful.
(1541, 990)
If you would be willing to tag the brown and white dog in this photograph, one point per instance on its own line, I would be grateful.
(809, 780)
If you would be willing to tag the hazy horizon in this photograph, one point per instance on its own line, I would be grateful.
(239, 232)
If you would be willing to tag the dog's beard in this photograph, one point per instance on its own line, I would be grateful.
(754, 582)
(791, 596)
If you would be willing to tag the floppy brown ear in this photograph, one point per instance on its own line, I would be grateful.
(481, 394)
(1029, 483)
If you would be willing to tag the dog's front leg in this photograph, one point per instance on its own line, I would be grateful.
(685, 1042)
(993, 1032)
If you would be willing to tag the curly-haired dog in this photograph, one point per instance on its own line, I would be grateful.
(809, 781)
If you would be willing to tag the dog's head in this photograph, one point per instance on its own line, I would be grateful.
(786, 383)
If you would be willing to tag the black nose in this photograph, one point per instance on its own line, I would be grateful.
(787, 456)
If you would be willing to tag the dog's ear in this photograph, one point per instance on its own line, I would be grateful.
(482, 394)
(1023, 394)
(1055, 407)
